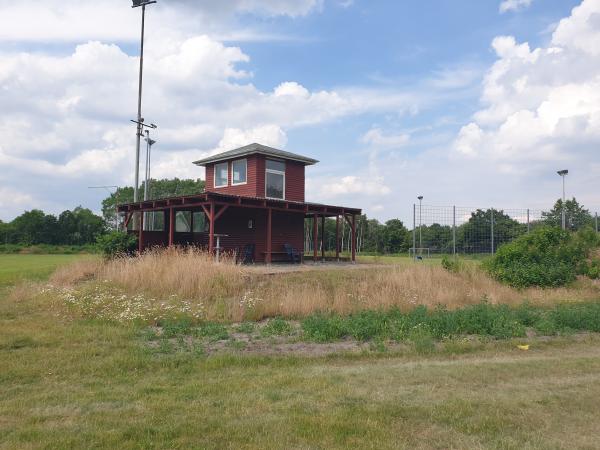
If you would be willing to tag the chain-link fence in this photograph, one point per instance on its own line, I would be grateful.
(473, 231)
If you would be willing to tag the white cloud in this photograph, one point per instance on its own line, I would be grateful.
(514, 5)
(65, 118)
(469, 139)
(351, 184)
(270, 135)
(542, 106)
(377, 138)
(115, 20)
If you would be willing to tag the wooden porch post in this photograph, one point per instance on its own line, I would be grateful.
(322, 238)
(269, 225)
(211, 228)
(315, 237)
(337, 237)
(171, 226)
(353, 238)
(141, 235)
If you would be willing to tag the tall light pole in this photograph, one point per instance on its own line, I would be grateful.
(420, 197)
(563, 173)
(149, 144)
(140, 120)
(107, 188)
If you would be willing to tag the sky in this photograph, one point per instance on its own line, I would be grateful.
(470, 103)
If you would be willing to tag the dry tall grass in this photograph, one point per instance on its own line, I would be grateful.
(231, 292)
(188, 273)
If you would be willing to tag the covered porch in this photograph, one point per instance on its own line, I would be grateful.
(267, 226)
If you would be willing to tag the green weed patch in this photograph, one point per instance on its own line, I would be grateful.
(421, 325)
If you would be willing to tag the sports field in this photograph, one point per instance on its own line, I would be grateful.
(69, 382)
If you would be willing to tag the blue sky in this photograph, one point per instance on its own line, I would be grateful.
(465, 102)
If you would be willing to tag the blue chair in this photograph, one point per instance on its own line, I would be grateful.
(248, 255)
(292, 254)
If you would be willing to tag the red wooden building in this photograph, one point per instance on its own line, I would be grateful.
(254, 196)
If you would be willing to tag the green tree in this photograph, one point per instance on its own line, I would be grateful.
(437, 238)
(80, 226)
(35, 227)
(475, 236)
(395, 237)
(576, 216)
(158, 189)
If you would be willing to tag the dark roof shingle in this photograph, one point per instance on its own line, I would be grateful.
(253, 149)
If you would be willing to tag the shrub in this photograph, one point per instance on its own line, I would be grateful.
(213, 331)
(546, 257)
(276, 327)
(451, 264)
(117, 243)
(322, 328)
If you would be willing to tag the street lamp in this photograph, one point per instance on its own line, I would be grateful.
(149, 144)
(139, 121)
(107, 188)
(563, 173)
(420, 197)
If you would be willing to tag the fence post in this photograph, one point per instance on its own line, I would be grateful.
(414, 231)
(454, 231)
(528, 225)
(492, 226)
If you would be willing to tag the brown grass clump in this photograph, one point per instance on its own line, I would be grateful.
(229, 292)
(188, 273)
(76, 272)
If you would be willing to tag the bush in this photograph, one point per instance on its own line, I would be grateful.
(451, 264)
(276, 327)
(322, 328)
(546, 257)
(117, 243)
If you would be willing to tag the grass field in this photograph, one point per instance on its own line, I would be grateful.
(70, 382)
(14, 268)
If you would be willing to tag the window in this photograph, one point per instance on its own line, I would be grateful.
(221, 172)
(278, 166)
(275, 179)
(200, 222)
(183, 221)
(238, 171)
(155, 221)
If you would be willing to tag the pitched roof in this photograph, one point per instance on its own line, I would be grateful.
(254, 149)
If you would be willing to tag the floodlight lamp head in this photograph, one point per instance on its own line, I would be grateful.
(562, 173)
(138, 3)
(420, 197)
(151, 142)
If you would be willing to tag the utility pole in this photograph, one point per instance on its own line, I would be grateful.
(149, 144)
(420, 197)
(563, 174)
(140, 120)
(454, 231)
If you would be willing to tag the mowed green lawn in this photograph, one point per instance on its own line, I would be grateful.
(14, 268)
(89, 384)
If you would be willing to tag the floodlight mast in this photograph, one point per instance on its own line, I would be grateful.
(420, 197)
(140, 120)
(149, 144)
(563, 173)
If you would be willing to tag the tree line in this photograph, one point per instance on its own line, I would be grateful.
(77, 227)
(81, 226)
